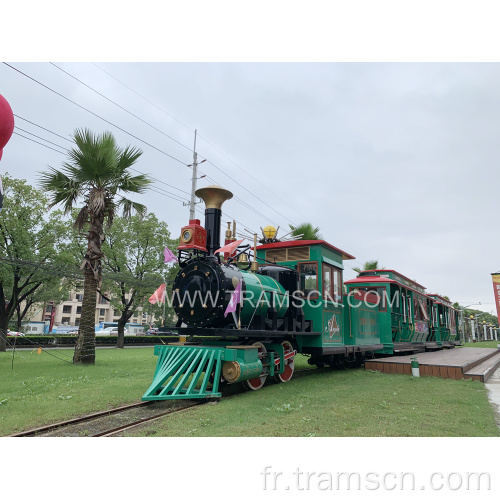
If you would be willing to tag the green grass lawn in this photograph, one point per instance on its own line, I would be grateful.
(346, 403)
(42, 389)
(487, 343)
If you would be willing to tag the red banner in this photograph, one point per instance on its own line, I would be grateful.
(496, 288)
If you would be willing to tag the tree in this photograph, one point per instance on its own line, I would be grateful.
(97, 171)
(482, 316)
(52, 289)
(307, 231)
(30, 248)
(134, 249)
(370, 265)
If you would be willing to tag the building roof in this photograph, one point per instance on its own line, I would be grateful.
(305, 243)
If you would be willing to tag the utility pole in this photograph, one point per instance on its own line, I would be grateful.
(193, 180)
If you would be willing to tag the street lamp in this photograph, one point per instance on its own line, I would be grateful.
(474, 320)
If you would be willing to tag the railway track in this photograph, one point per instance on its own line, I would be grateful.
(114, 421)
(109, 422)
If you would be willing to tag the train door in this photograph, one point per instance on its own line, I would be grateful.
(332, 304)
(396, 308)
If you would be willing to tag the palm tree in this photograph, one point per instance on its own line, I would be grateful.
(97, 171)
(371, 265)
(307, 231)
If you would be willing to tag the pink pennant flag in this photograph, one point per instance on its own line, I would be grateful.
(230, 248)
(159, 295)
(236, 298)
(169, 256)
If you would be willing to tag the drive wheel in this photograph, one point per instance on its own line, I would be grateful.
(289, 363)
(255, 384)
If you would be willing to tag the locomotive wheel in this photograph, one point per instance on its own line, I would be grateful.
(222, 381)
(255, 384)
(289, 364)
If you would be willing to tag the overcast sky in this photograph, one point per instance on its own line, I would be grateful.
(393, 161)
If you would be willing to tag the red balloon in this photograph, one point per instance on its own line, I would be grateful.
(6, 122)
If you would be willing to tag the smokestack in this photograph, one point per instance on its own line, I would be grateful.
(214, 197)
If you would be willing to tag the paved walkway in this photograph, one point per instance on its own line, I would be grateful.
(493, 386)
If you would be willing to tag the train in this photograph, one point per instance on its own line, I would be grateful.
(244, 312)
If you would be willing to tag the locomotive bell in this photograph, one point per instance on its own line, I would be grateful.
(214, 197)
(242, 260)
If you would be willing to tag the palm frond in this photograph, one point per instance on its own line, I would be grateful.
(62, 188)
(127, 158)
(81, 219)
(369, 265)
(134, 184)
(130, 206)
(307, 231)
(94, 159)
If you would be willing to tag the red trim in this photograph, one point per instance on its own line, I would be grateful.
(440, 300)
(305, 243)
(392, 271)
(371, 279)
(291, 354)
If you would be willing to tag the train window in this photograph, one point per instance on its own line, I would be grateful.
(332, 283)
(420, 308)
(308, 275)
(337, 284)
(372, 295)
(327, 282)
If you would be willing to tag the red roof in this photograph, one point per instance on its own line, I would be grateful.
(438, 298)
(395, 272)
(305, 243)
(370, 279)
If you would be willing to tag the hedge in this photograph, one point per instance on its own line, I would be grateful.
(70, 340)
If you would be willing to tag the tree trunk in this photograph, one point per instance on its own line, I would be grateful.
(19, 318)
(120, 343)
(4, 324)
(85, 344)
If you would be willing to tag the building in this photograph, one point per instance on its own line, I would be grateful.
(68, 313)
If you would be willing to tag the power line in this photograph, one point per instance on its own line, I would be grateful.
(249, 175)
(95, 114)
(38, 137)
(29, 139)
(166, 135)
(46, 129)
(162, 182)
(64, 97)
(158, 192)
(218, 168)
(135, 170)
(142, 97)
(121, 107)
(45, 269)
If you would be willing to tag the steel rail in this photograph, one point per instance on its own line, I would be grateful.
(92, 416)
(125, 427)
(116, 430)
